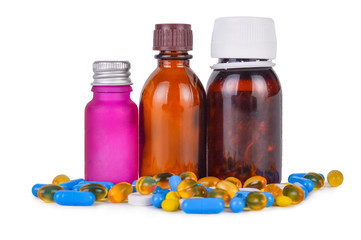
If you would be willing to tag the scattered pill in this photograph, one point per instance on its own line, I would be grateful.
(73, 198)
(140, 199)
(46, 192)
(60, 179)
(335, 178)
(203, 205)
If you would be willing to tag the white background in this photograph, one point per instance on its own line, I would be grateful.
(46, 54)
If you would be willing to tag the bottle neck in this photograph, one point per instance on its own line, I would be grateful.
(111, 93)
(173, 59)
(226, 63)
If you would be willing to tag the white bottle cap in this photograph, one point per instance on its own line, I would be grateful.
(244, 37)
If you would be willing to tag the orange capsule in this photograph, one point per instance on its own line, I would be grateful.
(275, 189)
(187, 188)
(235, 181)
(227, 186)
(258, 182)
(119, 192)
(209, 181)
(188, 175)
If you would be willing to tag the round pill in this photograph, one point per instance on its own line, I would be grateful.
(62, 178)
(140, 199)
(335, 178)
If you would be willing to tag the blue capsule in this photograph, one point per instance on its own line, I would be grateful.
(159, 197)
(237, 204)
(203, 205)
(36, 188)
(69, 185)
(270, 198)
(303, 188)
(304, 181)
(302, 174)
(72, 198)
(207, 188)
(157, 190)
(174, 181)
(245, 192)
(133, 184)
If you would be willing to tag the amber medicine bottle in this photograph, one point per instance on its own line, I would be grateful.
(172, 108)
(244, 101)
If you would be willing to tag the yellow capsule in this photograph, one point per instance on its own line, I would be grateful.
(188, 175)
(258, 182)
(170, 205)
(209, 181)
(335, 178)
(227, 186)
(61, 179)
(172, 195)
(235, 181)
(119, 192)
(283, 201)
(187, 188)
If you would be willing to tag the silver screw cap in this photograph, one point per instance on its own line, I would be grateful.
(111, 73)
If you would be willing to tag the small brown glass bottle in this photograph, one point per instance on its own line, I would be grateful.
(172, 128)
(244, 101)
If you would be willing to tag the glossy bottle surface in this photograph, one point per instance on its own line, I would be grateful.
(111, 135)
(244, 124)
(172, 111)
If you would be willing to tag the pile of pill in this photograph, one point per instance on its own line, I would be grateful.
(188, 193)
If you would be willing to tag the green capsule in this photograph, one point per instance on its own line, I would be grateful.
(316, 178)
(46, 192)
(99, 191)
(256, 201)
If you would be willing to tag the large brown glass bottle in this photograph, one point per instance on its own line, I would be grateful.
(244, 101)
(172, 108)
(245, 120)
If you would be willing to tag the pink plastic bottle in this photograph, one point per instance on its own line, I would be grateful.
(111, 125)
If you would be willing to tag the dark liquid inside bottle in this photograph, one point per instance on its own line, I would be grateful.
(244, 108)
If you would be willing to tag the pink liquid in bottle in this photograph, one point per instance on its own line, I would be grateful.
(111, 126)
